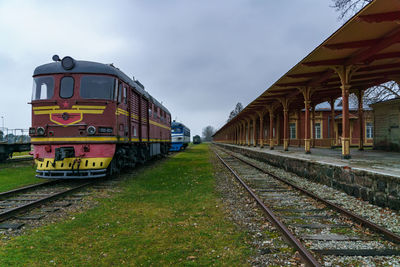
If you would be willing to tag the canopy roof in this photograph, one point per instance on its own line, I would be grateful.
(369, 41)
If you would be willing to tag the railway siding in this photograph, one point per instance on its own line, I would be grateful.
(14, 174)
(379, 189)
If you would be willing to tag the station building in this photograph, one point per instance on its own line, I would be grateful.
(300, 109)
(310, 109)
(326, 127)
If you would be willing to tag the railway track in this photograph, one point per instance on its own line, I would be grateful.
(22, 200)
(18, 159)
(315, 227)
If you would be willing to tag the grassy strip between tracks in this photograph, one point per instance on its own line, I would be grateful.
(18, 174)
(169, 214)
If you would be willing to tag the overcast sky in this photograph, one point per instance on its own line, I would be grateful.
(198, 57)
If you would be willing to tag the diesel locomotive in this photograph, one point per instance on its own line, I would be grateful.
(180, 136)
(196, 139)
(90, 120)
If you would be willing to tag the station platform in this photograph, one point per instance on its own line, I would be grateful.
(369, 160)
(371, 175)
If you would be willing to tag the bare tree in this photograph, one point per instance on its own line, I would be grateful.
(237, 110)
(207, 133)
(347, 8)
(382, 92)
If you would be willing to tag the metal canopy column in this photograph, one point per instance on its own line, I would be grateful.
(285, 105)
(332, 125)
(271, 128)
(307, 127)
(248, 132)
(243, 135)
(345, 73)
(261, 116)
(360, 95)
(254, 130)
(313, 125)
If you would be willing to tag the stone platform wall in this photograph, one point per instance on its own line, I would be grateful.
(382, 190)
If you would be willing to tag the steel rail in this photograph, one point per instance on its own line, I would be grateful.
(305, 254)
(10, 160)
(12, 212)
(26, 188)
(378, 229)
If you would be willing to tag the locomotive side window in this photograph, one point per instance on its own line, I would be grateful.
(43, 88)
(125, 96)
(120, 93)
(97, 87)
(116, 90)
(67, 87)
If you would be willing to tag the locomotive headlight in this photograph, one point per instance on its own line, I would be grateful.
(67, 63)
(91, 130)
(40, 131)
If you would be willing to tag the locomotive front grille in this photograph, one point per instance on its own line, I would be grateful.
(82, 174)
(69, 164)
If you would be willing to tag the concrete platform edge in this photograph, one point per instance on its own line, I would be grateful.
(379, 189)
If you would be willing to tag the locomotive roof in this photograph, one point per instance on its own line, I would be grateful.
(178, 124)
(96, 68)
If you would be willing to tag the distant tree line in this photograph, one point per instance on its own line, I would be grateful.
(207, 133)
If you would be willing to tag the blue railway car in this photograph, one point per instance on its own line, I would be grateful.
(180, 136)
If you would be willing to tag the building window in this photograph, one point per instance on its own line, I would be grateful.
(318, 130)
(292, 127)
(370, 130)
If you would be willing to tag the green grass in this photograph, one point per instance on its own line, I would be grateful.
(168, 214)
(13, 175)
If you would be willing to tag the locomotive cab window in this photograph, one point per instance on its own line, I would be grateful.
(43, 88)
(97, 87)
(67, 87)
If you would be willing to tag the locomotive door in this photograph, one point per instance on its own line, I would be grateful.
(123, 112)
(135, 116)
(145, 120)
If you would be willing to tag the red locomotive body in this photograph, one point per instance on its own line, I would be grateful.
(90, 119)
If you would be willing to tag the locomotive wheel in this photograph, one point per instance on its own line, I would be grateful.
(3, 158)
(113, 168)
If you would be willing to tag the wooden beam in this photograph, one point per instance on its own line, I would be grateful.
(328, 62)
(380, 17)
(297, 84)
(363, 55)
(322, 78)
(352, 45)
(305, 75)
(379, 67)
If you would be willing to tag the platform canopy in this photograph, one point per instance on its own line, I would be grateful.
(363, 53)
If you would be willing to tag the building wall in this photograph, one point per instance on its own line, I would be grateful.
(298, 118)
(387, 125)
(322, 117)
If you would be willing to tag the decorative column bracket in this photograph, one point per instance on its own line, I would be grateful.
(285, 104)
(307, 93)
(345, 73)
(271, 110)
(261, 116)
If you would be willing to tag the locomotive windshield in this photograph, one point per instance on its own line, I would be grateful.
(43, 88)
(97, 87)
